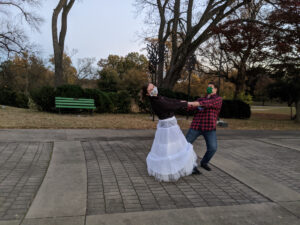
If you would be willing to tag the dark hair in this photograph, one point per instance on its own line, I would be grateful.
(215, 85)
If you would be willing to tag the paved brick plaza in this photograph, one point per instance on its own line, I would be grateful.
(264, 157)
(118, 182)
(87, 177)
(22, 169)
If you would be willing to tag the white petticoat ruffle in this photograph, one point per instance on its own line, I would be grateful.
(171, 156)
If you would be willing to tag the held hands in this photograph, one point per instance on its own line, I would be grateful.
(193, 104)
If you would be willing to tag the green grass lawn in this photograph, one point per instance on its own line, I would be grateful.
(273, 109)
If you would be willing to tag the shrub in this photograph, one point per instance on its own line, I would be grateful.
(121, 101)
(124, 101)
(93, 94)
(144, 105)
(21, 100)
(102, 100)
(106, 103)
(7, 97)
(182, 96)
(12, 98)
(113, 96)
(69, 91)
(32, 104)
(174, 94)
(247, 98)
(44, 97)
(166, 92)
(109, 80)
(235, 109)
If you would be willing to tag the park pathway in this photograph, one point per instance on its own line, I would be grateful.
(89, 177)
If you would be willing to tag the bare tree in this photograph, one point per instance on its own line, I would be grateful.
(241, 47)
(12, 37)
(64, 7)
(187, 24)
(86, 69)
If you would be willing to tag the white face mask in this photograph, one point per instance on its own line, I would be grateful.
(154, 92)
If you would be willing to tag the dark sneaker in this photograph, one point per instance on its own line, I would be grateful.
(205, 166)
(196, 171)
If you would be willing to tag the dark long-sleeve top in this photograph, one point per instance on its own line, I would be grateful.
(165, 107)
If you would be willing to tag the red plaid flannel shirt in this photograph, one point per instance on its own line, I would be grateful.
(206, 119)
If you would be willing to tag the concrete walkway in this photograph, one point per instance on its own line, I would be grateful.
(89, 177)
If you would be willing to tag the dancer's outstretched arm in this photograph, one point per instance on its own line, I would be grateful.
(211, 103)
(168, 104)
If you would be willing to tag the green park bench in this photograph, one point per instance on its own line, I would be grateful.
(74, 103)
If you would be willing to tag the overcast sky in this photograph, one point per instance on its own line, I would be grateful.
(96, 28)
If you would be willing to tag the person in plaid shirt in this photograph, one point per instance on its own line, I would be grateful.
(204, 123)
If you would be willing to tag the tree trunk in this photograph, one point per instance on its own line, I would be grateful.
(27, 80)
(240, 81)
(161, 43)
(59, 42)
(197, 32)
(173, 75)
(161, 62)
(297, 111)
(58, 58)
(176, 67)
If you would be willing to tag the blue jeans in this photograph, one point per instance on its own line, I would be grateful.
(210, 139)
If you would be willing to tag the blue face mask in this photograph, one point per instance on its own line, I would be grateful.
(154, 92)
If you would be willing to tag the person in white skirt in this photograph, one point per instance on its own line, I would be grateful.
(171, 156)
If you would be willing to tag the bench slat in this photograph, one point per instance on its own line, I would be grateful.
(76, 107)
(74, 99)
(75, 103)
(70, 106)
(69, 100)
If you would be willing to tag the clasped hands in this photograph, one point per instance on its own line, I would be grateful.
(192, 104)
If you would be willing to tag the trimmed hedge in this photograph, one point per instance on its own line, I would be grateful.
(102, 100)
(12, 98)
(69, 91)
(117, 102)
(235, 109)
(44, 97)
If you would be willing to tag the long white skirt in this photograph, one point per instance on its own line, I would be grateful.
(171, 156)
